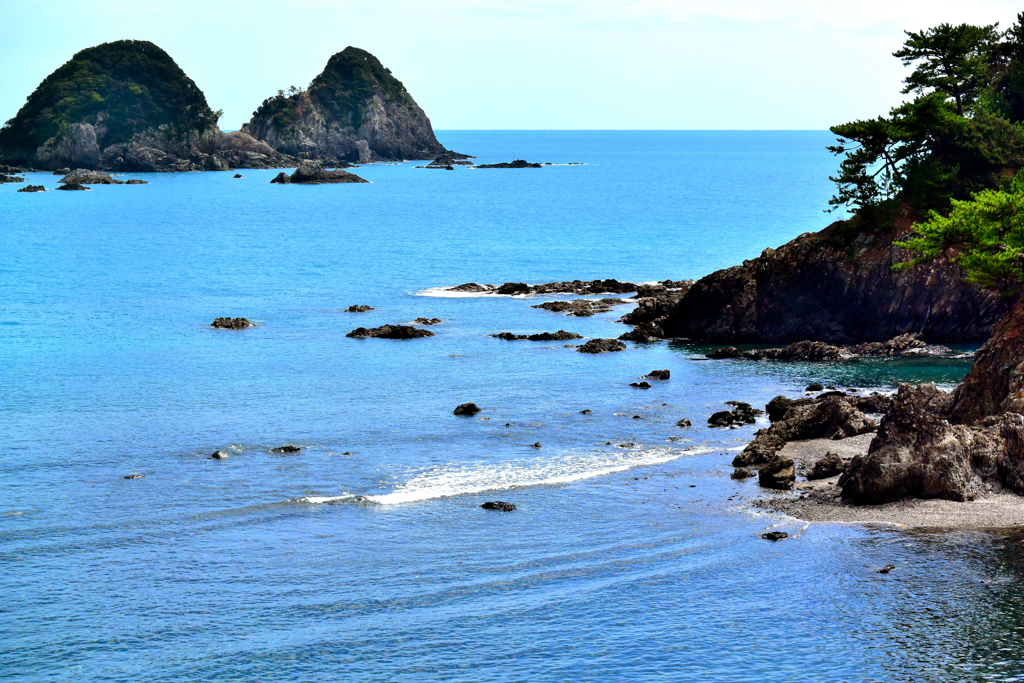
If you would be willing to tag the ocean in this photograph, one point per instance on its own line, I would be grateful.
(365, 556)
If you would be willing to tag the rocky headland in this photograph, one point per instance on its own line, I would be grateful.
(355, 110)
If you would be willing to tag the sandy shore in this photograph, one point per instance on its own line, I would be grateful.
(819, 501)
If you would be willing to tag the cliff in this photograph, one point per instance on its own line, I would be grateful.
(355, 110)
(125, 106)
(836, 285)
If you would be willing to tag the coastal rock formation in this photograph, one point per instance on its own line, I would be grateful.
(659, 374)
(390, 332)
(830, 465)
(427, 321)
(313, 173)
(561, 335)
(354, 111)
(580, 287)
(72, 186)
(835, 286)
(905, 345)
(777, 473)
(33, 188)
(125, 106)
(835, 417)
(286, 449)
(231, 323)
(10, 179)
(471, 288)
(602, 346)
(581, 308)
(741, 414)
(358, 309)
(518, 163)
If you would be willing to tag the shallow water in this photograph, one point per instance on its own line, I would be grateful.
(366, 555)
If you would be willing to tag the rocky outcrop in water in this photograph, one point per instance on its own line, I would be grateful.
(33, 188)
(834, 286)
(906, 345)
(581, 308)
(354, 111)
(561, 335)
(72, 186)
(580, 287)
(518, 163)
(390, 332)
(10, 179)
(741, 414)
(231, 323)
(314, 173)
(354, 308)
(466, 409)
(286, 449)
(499, 505)
(602, 346)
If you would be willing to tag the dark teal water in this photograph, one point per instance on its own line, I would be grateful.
(366, 556)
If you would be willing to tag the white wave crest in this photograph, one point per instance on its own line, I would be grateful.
(447, 293)
(457, 480)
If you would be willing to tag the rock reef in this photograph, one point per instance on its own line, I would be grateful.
(390, 332)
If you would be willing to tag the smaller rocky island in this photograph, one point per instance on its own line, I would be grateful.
(518, 163)
(390, 332)
(231, 323)
(561, 335)
(314, 173)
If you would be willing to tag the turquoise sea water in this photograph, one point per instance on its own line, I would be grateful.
(365, 556)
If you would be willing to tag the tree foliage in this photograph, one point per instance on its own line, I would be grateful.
(984, 235)
(962, 134)
(123, 88)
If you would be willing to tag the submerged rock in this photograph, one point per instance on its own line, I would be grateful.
(467, 409)
(231, 323)
(775, 535)
(581, 308)
(286, 449)
(358, 309)
(499, 505)
(219, 455)
(741, 473)
(133, 476)
(683, 423)
(602, 346)
(640, 385)
(427, 321)
(659, 374)
(390, 332)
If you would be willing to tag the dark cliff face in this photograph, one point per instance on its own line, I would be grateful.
(354, 111)
(836, 285)
(118, 90)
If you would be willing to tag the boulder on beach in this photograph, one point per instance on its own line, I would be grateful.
(829, 466)
(231, 323)
(777, 473)
(602, 346)
(499, 505)
(466, 409)
(390, 332)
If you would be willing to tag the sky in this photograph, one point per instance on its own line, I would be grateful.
(520, 64)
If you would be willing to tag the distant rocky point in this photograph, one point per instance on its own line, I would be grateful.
(354, 111)
(518, 163)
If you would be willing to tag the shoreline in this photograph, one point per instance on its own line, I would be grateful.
(819, 501)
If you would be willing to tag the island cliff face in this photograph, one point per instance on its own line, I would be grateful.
(837, 285)
(354, 111)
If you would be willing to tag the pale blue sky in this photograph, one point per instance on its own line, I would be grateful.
(562, 64)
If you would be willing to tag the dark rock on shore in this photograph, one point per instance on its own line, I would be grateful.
(427, 321)
(832, 417)
(358, 309)
(467, 409)
(472, 287)
(314, 173)
(659, 374)
(836, 286)
(581, 308)
(829, 466)
(286, 449)
(814, 386)
(33, 188)
(777, 473)
(354, 111)
(499, 505)
(561, 335)
(231, 323)
(390, 332)
(518, 163)
(602, 346)
(741, 473)
(741, 414)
